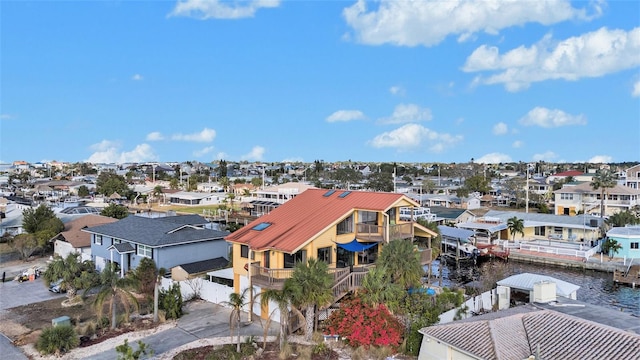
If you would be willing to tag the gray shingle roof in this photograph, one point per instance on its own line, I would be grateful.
(516, 336)
(157, 232)
(205, 265)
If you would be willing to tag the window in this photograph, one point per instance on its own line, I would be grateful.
(145, 251)
(290, 260)
(565, 196)
(117, 241)
(324, 254)
(97, 239)
(345, 226)
(261, 226)
(369, 217)
(540, 230)
(244, 251)
(635, 245)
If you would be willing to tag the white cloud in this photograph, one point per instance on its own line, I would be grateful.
(500, 128)
(155, 136)
(217, 9)
(293, 160)
(222, 155)
(546, 156)
(203, 152)
(636, 89)
(601, 159)
(346, 115)
(427, 23)
(550, 118)
(137, 77)
(590, 55)
(255, 154)
(411, 136)
(493, 158)
(6, 117)
(397, 90)
(517, 144)
(206, 135)
(406, 113)
(109, 152)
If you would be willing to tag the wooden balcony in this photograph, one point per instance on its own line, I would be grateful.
(275, 278)
(377, 233)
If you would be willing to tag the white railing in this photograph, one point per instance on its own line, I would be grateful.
(576, 250)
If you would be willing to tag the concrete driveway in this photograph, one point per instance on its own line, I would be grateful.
(14, 293)
(202, 320)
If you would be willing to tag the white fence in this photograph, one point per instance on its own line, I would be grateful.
(204, 289)
(476, 305)
(576, 250)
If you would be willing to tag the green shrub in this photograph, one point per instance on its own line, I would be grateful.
(126, 352)
(170, 301)
(57, 340)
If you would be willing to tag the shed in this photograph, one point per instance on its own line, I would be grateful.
(198, 268)
(526, 283)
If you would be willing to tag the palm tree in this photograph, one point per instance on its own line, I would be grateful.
(312, 287)
(283, 298)
(515, 226)
(115, 289)
(603, 180)
(73, 273)
(377, 288)
(236, 301)
(224, 181)
(402, 263)
(157, 191)
(611, 247)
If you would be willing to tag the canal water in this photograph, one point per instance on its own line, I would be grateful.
(596, 287)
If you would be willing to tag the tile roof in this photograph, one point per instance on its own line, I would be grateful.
(557, 336)
(73, 233)
(299, 220)
(161, 231)
(586, 188)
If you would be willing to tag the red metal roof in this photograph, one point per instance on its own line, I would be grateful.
(299, 220)
(569, 173)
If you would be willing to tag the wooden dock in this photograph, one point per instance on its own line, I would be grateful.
(630, 277)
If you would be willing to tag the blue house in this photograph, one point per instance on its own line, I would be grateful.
(629, 238)
(169, 241)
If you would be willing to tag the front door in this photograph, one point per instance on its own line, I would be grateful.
(344, 258)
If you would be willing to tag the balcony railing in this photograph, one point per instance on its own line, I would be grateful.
(275, 278)
(377, 233)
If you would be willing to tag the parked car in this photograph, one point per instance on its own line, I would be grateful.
(56, 286)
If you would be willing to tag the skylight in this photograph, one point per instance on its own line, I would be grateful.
(329, 193)
(344, 194)
(261, 226)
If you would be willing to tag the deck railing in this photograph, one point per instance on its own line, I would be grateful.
(377, 233)
(275, 278)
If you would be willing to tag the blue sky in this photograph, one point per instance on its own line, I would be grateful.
(421, 81)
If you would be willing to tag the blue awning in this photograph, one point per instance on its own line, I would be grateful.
(355, 246)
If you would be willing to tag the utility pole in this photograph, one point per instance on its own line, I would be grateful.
(527, 197)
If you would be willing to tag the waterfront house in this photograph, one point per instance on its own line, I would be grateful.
(74, 240)
(583, 228)
(575, 198)
(629, 239)
(346, 229)
(170, 241)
